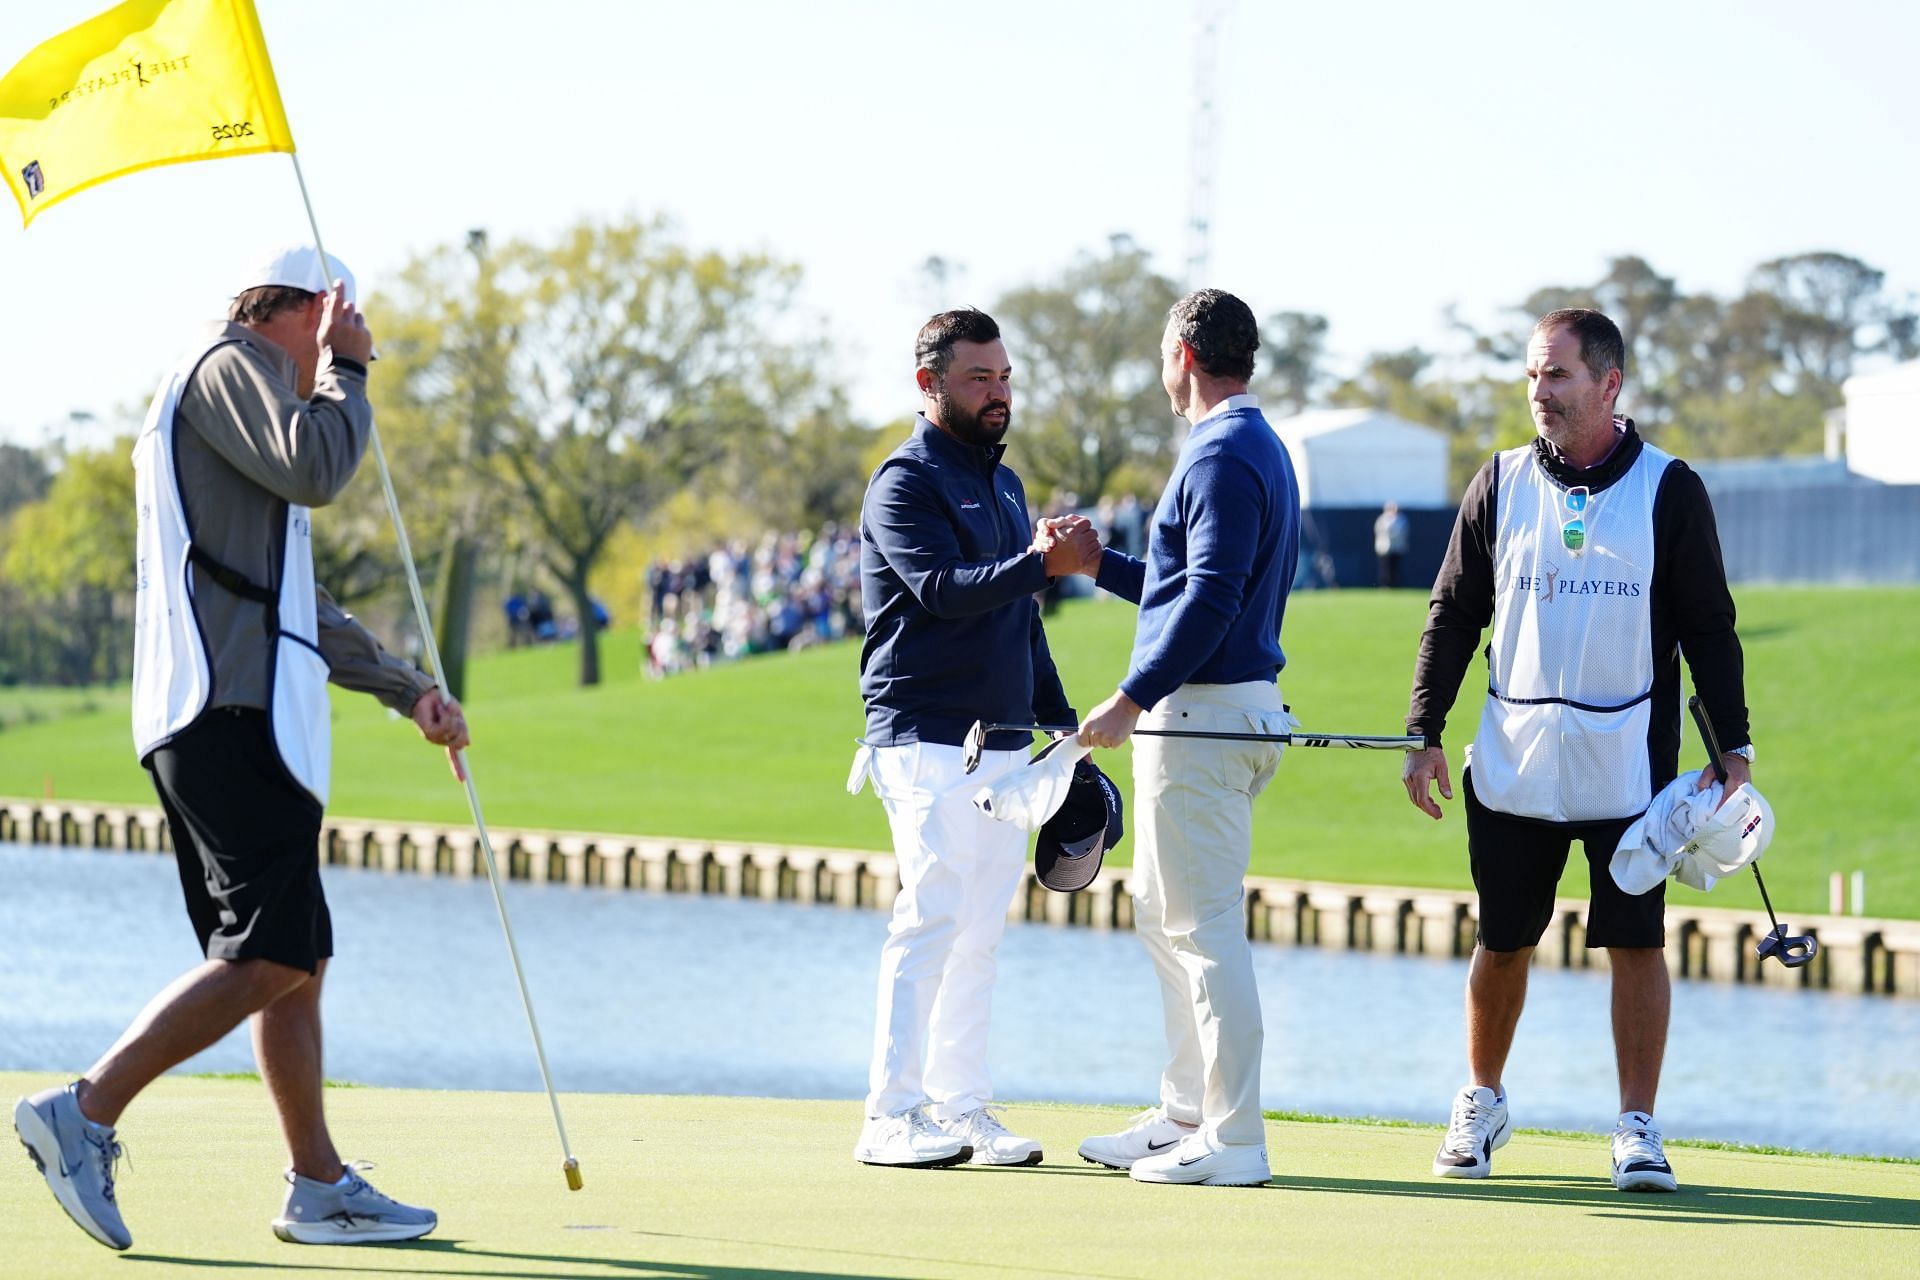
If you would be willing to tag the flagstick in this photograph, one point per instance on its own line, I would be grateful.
(571, 1166)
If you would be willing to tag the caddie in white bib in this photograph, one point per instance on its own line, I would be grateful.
(1563, 736)
(172, 678)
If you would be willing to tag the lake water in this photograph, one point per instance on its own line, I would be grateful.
(676, 994)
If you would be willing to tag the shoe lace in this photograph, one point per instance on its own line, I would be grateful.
(361, 1188)
(920, 1123)
(1152, 1115)
(1471, 1121)
(1638, 1143)
(109, 1152)
(984, 1122)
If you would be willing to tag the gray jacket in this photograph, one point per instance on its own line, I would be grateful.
(245, 446)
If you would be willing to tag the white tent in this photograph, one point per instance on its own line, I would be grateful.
(1365, 458)
(1883, 424)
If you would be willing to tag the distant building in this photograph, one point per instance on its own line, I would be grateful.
(1851, 517)
(1883, 424)
(1747, 475)
(1365, 458)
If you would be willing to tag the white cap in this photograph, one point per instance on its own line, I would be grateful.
(1690, 835)
(297, 266)
(1030, 793)
(1738, 833)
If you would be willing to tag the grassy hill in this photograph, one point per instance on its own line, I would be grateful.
(759, 750)
(727, 1188)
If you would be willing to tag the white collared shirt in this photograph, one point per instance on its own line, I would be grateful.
(1245, 400)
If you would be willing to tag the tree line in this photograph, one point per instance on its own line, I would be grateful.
(557, 412)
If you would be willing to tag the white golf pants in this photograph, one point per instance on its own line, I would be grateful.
(958, 873)
(1193, 840)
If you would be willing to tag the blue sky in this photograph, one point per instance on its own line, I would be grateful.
(1376, 162)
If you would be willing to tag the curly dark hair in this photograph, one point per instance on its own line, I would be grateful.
(1221, 330)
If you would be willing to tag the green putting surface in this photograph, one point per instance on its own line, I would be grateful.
(719, 1188)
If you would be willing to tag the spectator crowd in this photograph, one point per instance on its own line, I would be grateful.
(788, 591)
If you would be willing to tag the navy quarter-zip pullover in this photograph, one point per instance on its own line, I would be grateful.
(947, 581)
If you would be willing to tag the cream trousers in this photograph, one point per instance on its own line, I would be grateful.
(1193, 840)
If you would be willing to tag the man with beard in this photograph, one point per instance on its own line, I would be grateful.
(1594, 559)
(949, 567)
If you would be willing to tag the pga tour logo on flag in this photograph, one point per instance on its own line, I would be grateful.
(36, 182)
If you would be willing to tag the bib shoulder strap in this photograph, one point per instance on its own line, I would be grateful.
(232, 579)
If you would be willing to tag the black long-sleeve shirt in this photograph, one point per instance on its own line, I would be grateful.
(1692, 609)
(947, 578)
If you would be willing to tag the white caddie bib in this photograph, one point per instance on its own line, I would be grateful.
(171, 677)
(1563, 736)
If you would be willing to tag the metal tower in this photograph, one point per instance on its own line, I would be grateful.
(1208, 18)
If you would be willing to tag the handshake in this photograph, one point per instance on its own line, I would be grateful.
(1068, 544)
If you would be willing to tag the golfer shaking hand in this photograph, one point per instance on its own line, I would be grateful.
(234, 644)
(1593, 558)
(1212, 591)
(949, 570)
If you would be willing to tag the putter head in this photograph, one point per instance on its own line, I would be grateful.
(970, 750)
(1790, 949)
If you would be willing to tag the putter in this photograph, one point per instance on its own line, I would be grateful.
(977, 738)
(1790, 949)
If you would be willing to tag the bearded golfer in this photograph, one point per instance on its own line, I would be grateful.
(949, 568)
(1206, 655)
(233, 646)
(1594, 558)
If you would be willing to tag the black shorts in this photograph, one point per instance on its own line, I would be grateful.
(246, 839)
(1516, 868)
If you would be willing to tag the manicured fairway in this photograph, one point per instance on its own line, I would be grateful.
(759, 749)
(727, 1188)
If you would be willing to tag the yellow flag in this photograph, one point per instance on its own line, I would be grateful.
(147, 83)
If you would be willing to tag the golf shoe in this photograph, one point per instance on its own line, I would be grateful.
(348, 1212)
(1480, 1127)
(77, 1157)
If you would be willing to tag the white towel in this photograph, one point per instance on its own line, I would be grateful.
(1684, 835)
(862, 766)
(1031, 794)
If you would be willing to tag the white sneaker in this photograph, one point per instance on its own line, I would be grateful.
(1640, 1155)
(1480, 1127)
(909, 1140)
(1149, 1133)
(1203, 1160)
(354, 1213)
(981, 1129)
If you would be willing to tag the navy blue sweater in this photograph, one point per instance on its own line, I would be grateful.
(1220, 561)
(947, 581)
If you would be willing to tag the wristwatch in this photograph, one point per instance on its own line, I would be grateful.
(1745, 753)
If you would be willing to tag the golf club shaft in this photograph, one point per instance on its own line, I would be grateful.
(1406, 742)
(1764, 899)
(1708, 736)
(570, 1167)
